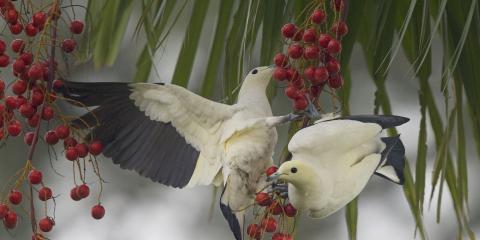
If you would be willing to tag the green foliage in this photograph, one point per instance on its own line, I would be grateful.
(386, 29)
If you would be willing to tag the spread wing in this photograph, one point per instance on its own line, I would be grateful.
(164, 132)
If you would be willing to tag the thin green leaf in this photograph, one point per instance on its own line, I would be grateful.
(122, 16)
(184, 65)
(218, 48)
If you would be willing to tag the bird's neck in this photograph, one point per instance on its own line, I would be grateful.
(253, 94)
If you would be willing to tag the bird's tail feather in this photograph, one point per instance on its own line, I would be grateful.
(393, 160)
(385, 121)
(235, 219)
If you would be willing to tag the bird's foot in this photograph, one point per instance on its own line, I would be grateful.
(281, 189)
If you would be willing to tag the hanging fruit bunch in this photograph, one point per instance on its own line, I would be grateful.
(29, 109)
(308, 65)
(310, 61)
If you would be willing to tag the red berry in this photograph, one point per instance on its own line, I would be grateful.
(83, 191)
(39, 19)
(335, 82)
(11, 16)
(3, 46)
(76, 27)
(269, 224)
(27, 110)
(2, 85)
(62, 131)
(47, 113)
(300, 103)
(69, 142)
(82, 150)
(310, 35)
(71, 153)
(338, 5)
(288, 30)
(35, 72)
(263, 199)
(324, 39)
(17, 45)
(3, 210)
(254, 231)
(16, 28)
(291, 92)
(11, 102)
(334, 46)
(295, 51)
(51, 137)
(18, 66)
(10, 220)
(311, 52)
(46, 224)
(298, 83)
(290, 210)
(98, 211)
(309, 72)
(340, 28)
(35, 177)
(320, 75)
(14, 128)
(4, 60)
(31, 30)
(280, 60)
(27, 58)
(74, 194)
(292, 74)
(271, 170)
(28, 138)
(318, 16)
(37, 98)
(68, 45)
(282, 236)
(316, 90)
(276, 208)
(298, 35)
(21, 100)
(34, 120)
(45, 194)
(333, 66)
(19, 87)
(15, 197)
(280, 74)
(96, 147)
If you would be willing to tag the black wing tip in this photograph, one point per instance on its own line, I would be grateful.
(385, 121)
(232, 221)
(395, 156)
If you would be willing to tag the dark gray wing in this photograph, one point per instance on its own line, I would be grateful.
(393, 160)
(153, 149)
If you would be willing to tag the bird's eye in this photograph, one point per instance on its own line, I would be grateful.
(254, 71)
(294, 170)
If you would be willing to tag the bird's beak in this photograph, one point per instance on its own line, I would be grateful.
(273, 177)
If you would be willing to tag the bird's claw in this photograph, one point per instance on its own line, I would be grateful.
(280, 189)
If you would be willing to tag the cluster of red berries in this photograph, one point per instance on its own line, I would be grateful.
(274, 209)
(28, 107)
(311, 58)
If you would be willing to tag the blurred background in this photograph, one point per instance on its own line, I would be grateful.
(140, 209)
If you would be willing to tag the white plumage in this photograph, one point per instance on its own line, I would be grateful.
(332, 162)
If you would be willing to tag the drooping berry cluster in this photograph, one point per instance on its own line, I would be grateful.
(310, 61)
(273, 214)
(29, 109)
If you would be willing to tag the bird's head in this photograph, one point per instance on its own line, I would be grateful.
(260, 74)
(294, 172)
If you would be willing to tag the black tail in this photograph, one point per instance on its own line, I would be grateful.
(153, 149)
(385, 121)
(393, 160)
(231, 218)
